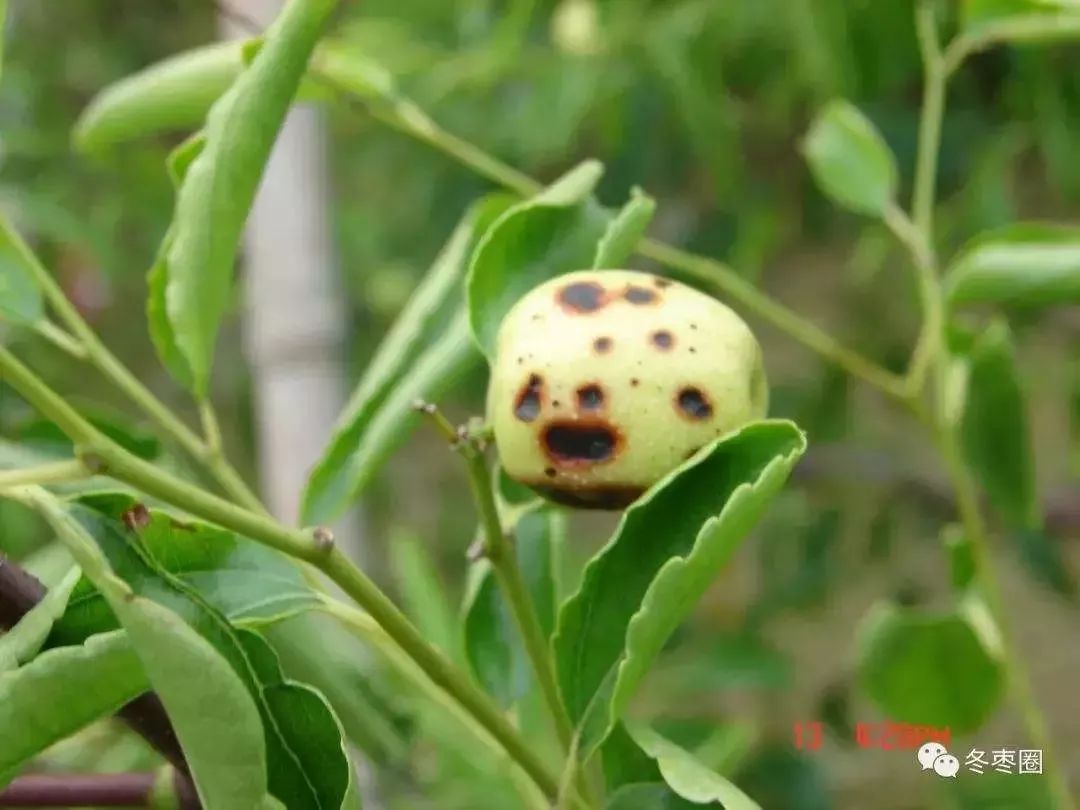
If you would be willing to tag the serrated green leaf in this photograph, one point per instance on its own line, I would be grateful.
(216, 194)
(241, 579)
(493, 644)
(339, 475)
(246, 656)
(20, 296)
(668, 548)
(936, 669)
(850, 160)
(1031, 264)
(625, 230)
(994, 429)
(552, 233)
(449, 358)
(22, 642)
(175, 93)
(61, 692)
(687, 776)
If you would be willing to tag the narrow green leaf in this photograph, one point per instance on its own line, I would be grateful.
(623, 233)
(994, 428)
(213, 201)
(687, 776)
(667, 549)
(422, 590)
(61, 692)
(23, 641)
(449, 359)
(242, 579)
(3, 32)
(554, 232)
(937, 669)
(224, 747)
(850, 160)
(20, 296)
(334, 482)
(492, 642)
(175, 93)
(1031, 264)
(1022, 20)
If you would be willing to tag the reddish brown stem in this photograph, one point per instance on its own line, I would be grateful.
(89, 790)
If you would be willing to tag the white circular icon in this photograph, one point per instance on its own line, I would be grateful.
(946, 765)
(928, 753)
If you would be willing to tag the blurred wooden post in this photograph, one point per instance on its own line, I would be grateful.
(295, 320)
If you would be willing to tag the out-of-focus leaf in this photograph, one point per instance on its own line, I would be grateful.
(62, 691)
(1031, 264)
(422, 589)
(340, 474)
(998, 791)
(961, 557)
(175, 93)
(939, 670)
(850, 160)
(242, 579)
(1045, 558)
(20, 296)
(493, 645)
(994, 428)
(213, 200)
(625, 231)
(552, 233)
(48, 437)
(668, 548)
(23, 641)
(687, 776)
(1023, 20)
(783, 778)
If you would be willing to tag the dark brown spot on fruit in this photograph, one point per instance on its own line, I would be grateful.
(692, 452)
(581, 296)
(634, 382)
(527, 406)
(601, 496)
(602, 344)
(693, 350)
(590, 397)
(639, 295)
(661, 282)
(693, 403)
(662, 339)
(549, 472)
(579, 443)
(554, 403)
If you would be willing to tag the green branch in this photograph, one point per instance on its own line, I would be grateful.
(94, 351)
(407, 118)
(103, 456)
(501, 554)
(55, 473)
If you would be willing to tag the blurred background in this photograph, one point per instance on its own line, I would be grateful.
(703, 104)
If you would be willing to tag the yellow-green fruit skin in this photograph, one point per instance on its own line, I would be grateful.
(604, 381)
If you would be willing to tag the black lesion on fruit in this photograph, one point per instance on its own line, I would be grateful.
(661, 282)
(579, 443)
(602, 345)
(550, 472)
(590, 397)
(600, 496)
(639, 295)
(693, 403)
(662, 339)
(527, 404)
(581, 296)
